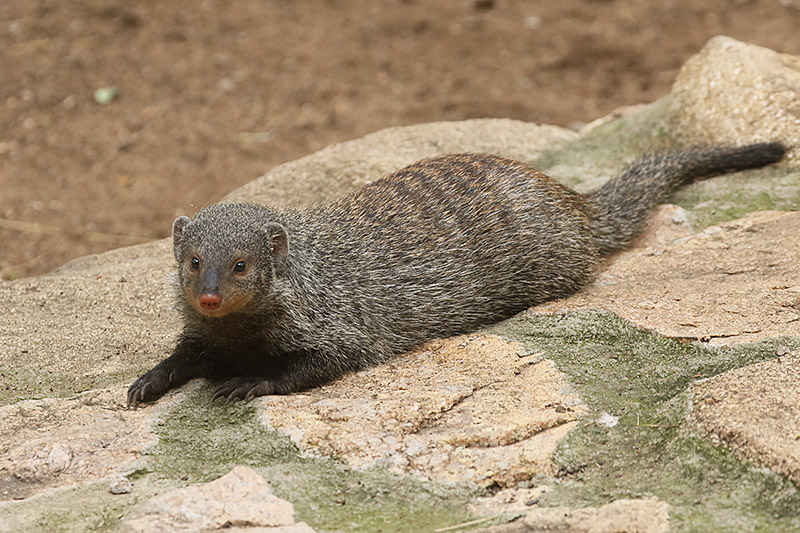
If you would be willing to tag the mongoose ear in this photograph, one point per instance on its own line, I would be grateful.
(278, 242)
(177, 234)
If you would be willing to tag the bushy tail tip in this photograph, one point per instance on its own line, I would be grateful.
(622, 204)
(755, 155)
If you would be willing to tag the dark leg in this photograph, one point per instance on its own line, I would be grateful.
(185, 363)
(302, 372)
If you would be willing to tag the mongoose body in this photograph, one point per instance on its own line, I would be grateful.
(278, 301)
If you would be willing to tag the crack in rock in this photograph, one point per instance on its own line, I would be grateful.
(57, 442)
(461, 409)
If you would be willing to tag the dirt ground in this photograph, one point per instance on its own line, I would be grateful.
(212, 93)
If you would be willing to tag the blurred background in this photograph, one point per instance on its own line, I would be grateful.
(118, 115)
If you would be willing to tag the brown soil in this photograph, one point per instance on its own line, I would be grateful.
(213, 93)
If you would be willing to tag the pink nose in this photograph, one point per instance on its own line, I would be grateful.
(209, 301)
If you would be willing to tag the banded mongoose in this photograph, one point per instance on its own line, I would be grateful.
(278, 301)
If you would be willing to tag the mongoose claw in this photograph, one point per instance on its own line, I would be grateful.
(148, 388)
(243, 388)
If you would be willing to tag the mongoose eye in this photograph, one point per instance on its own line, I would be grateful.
(240, 266)
(195, 263)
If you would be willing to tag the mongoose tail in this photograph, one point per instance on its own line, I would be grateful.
(621, 205)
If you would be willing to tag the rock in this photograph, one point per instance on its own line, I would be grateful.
(341, 168)
(756, 411)
(735, 92)
(629, 516)
(733, 283)
(93, 320)
(240, 500)
(443, 412)
(57, 442)
(121, 485)
(516, 501)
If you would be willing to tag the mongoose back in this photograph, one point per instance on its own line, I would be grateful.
(278, 301)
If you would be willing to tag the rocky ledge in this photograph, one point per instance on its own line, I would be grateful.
(663, 396)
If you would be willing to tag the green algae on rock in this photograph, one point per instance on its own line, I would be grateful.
(644, 379)
(201, 441)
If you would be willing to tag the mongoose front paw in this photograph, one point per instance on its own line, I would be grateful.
(243, 389)
(149, 387)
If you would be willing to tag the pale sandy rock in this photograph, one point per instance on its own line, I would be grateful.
(667, 223)
(445, 412)
(58, 442)
(756, 411)
(611, 117)
(92, 318)
(241, 500)
(732, 283)
(121, 485)
(621, 516)
(341, 168)
(736, 92)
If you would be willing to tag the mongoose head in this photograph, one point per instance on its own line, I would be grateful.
(231, 259)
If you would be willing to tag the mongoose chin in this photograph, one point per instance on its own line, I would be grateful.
(277, 301)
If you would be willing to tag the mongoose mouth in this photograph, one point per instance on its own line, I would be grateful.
(226, 305)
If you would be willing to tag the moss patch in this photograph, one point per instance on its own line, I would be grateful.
(200, 442)
(589, 161)
(21, 381)
(599, 155)
(78, 509)
(643, 379)
(732, 196)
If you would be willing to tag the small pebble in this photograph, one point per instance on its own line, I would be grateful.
(105, 95)
(122, 485)
(608, 420)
